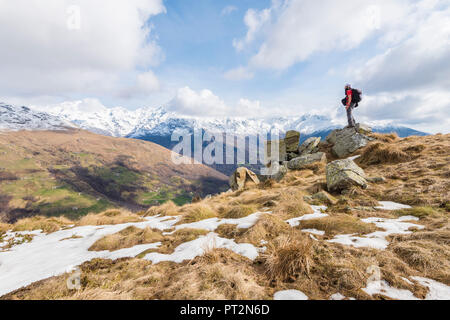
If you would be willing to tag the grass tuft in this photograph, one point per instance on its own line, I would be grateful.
(127, 238)
(381, 153)
(287, 256)
(109, 217)
(167, 209)
(239, 211)
(47, 225)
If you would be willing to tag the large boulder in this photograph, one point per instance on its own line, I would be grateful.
(303, 161)
(292, 141)
(343, 174)
(242, 178)
(281, 149)
(309, 146)
(347, 141)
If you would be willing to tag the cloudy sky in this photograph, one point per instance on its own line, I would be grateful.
(219, 58)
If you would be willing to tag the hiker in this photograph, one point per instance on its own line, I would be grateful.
(351, 100)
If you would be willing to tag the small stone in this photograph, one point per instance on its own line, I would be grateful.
(377, 179)
(325, 197)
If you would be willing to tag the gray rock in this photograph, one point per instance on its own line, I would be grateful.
(281, 149)
(325, 197)
(343, 174)
(292, 140)
(309, 146)
(300, 162)
(377, 179)
(242, 178)
(347, 141)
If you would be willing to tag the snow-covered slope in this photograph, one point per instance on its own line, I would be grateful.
(14, 118)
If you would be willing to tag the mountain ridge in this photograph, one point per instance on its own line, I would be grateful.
(144, 122)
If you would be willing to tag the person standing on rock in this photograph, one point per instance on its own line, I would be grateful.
(352, 98)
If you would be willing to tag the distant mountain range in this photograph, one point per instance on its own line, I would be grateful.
(158, 123)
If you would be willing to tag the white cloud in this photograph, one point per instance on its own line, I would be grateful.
(421, 60)
(254, 20)
(50, 50)
(420, 109)
(228, 10)
(238, 74)
(294, 30)
(206, 104)
(192, 103)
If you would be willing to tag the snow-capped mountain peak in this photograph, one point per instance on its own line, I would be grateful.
(14, 118)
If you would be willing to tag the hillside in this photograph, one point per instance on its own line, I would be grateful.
(74, 172)
(286, 239)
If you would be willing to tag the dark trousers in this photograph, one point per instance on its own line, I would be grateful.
(351, 120)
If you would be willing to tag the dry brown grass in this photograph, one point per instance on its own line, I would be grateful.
(389, 138)
(196, 212)
(47, 225)
(109, 217)
(381, 153)
(419, 212)
(4, 227)
(127, 238)
(267, 228)
(239, 211)
(287, 256)
(339, 224)
(292, 205)
(167, 209)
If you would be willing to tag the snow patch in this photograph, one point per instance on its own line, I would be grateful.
(337, 296)
(382, 287)
(314, 231)
(197, 247)
(213, 223)
(377, 239)
(437, 290)
(316, 215)
(290, 295)
(389, 205)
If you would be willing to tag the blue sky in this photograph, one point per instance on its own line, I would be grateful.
(225, 58)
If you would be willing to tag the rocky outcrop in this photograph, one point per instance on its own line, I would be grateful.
(343, 174)
(346, 141)
(292, 140)
(303, 161)
(309, 146)
(243, 178)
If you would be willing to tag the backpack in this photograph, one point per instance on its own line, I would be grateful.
(356, 96)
